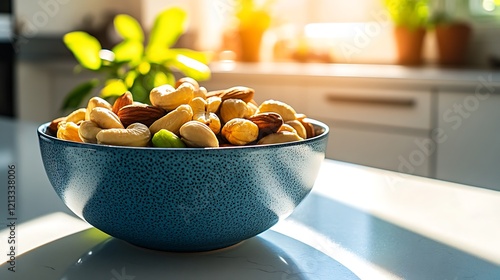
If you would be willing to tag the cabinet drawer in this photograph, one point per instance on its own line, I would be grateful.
(380, 149)
(400, 108)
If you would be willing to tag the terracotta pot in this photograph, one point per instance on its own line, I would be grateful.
(409, 43)
(250, 42)
(452, 42)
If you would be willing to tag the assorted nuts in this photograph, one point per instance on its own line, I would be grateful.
(186, 115)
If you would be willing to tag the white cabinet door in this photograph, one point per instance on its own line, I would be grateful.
(405, 153)
(377, 126)
(376, 105)
(470, 151)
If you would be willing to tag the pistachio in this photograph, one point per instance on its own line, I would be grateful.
(232, 108)
(173, 120)
(279, 137)
(286, 111)
(198, 135)
(240, 131)
(135, 135)
(167, 139)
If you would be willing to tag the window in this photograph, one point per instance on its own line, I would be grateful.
(485, 8)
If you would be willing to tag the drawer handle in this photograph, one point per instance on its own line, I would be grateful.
(397, 102)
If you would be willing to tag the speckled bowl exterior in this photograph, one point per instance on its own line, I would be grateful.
(188, 199)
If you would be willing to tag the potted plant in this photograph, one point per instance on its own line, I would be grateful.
(410, 19)
(253, 21)
(134, 64)
(452, 38)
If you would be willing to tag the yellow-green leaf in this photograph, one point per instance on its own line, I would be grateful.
(144, 68)
(130, 78)
(85, 48)
(129, 51)
(114, 87)
(169, 25)
(157, 54)
(203, 57)
(191, 67)
(160, 79)
(128, 28)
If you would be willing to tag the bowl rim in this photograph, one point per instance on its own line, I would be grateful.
(42, 133)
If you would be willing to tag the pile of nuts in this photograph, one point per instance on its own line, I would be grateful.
(186, 115)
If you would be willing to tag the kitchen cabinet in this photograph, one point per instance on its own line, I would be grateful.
(470, 149)
(374, 124)
(423, 121)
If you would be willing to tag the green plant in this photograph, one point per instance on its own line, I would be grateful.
(254, 13)
(409, 13)
(133, 64)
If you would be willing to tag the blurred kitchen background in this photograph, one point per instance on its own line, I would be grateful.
(333, 60)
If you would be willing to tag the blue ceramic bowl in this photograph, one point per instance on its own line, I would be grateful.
(189, 199)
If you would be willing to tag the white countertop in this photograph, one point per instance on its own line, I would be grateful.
(425, 75)
(358, 223)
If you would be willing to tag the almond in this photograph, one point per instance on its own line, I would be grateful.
(144, 114)
(239, 92)
(55, 124)
(122, 101)
(268, 123)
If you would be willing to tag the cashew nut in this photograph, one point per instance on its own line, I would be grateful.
(95, 102)
(202, 114)
(135, 135)
(68, 131)
(286, 111)
(279, 137)
(88, 131)
(299, 128)
(169, 98)
(173, 120)
(76, 116)
(105, 118)
(198, 135)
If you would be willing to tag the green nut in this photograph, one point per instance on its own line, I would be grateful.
(167, 139)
